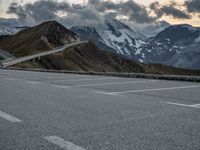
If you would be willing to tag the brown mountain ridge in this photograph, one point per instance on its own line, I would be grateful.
(42, 37)
(88, 57)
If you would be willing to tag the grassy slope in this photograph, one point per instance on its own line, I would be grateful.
(37, 39)
(91, 58)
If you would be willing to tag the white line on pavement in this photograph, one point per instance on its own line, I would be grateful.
(110, 83)
(147, 90)
(31, 78)
(63, 143)
(105, 93)
(183, 105)
(32, 82)
(196, 105)
(60, 86)
(9, 117)
(74, 80)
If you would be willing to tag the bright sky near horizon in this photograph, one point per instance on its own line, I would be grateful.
(194, 21)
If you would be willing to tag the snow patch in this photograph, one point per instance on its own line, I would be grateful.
(197, 39)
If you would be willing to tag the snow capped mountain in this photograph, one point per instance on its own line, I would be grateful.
(177, 45)
(7, 30)
(179, 34)
(10, 22)
(113, 36)
(10, 26)
(152, 29)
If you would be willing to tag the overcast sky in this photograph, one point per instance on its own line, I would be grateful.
(174, 13)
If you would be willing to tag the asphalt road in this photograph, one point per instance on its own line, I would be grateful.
(49, 111)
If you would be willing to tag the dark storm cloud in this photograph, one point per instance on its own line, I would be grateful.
(14, 8)
(39, 11)
(131, 9)
(48, 10)
(193, 6)
(169, 10)
(174, 12)
(94, 12)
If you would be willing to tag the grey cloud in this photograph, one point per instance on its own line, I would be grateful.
(14, 8)
(169, 10)
(130, 8)
(94, 12)
(193, 6)
(48, 10)
(174, 12)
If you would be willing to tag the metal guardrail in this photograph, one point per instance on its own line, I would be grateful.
(27, 58)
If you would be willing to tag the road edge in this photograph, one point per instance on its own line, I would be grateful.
(128, 75)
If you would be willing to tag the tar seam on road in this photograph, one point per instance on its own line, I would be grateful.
(147, 90)
(9, 117)
(63, 143)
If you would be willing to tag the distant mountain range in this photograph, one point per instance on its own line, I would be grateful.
(9, 26)
(113, 36)
(152, 29)
(176, 45)
(7, 30)
(88, 57)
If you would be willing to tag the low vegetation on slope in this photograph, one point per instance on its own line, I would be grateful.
(90, 58)
(40, 38)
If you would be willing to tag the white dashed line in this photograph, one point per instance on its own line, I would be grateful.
(148, 90)
(63, 143)
(9, 117)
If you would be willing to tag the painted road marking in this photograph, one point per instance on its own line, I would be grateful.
(60, 86)
(63, 143)
(9, 117)
(184, 105)
(31, 78)
(148, 90)
(32, 82)
(87, 79)
(110, 83)
(10, 79)
(196, 105)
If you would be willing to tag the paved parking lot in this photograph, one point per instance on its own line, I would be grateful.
(85, 112)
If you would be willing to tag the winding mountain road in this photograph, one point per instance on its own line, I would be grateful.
(27, 58)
